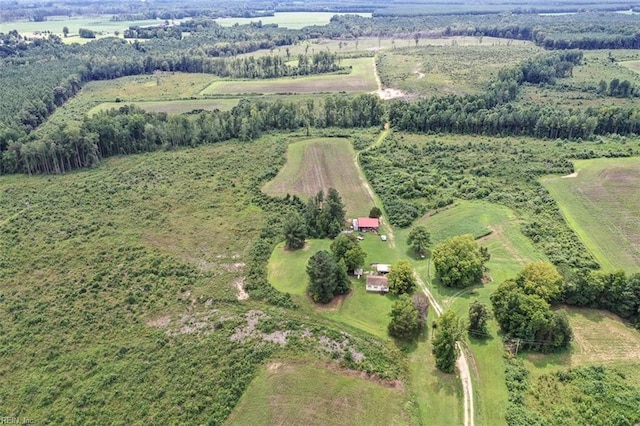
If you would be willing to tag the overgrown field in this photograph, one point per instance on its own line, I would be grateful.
(120, 290)
(319, 164)
(600, 202)
(361, 78)
(453, 69)
(582, 89)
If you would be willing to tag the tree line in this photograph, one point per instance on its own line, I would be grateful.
(130, 130)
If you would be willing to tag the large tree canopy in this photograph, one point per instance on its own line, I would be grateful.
(419, 239)
(449, 329)
(294, 232)
(404, 318)
(542, 279)
(459, 261)
(401, 278)
(327, 278)
(346, 248)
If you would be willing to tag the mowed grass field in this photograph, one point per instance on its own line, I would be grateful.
(600, 337)
(306, 393)
(323, 163)
(360, 79)
(497, 228)
(602, 206)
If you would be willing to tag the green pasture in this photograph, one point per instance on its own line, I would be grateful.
(309, 393)
(291, 20)
(361, 78)
(601, 204)
(316, 164)
(287, 268)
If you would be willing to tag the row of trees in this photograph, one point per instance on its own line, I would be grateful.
(130, 130)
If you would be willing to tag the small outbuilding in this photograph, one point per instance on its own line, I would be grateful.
(377, 283)
(382, 268)
(366, 224)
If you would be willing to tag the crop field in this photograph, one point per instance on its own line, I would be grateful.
(316, 164)
(455, 69)
(600, 203)
(292, 20)
(283, 394)
(360, 79)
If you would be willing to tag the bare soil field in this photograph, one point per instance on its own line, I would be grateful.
(317, 164)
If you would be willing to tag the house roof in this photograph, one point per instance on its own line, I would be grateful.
(377, 283)
(368, 222)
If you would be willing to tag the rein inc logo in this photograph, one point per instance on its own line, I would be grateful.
(16, 421)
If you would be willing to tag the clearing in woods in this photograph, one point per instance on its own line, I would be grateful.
(601, 204)
(360, 79)
(599, 337)
(283, 393)
(323, 163)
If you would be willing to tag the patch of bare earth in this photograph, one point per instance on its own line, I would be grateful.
(239, 285)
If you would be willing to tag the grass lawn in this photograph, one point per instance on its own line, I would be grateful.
(287, 268)
(290, 392)
(602, 207)
(291, 20)
(360, 79)
(316, 164)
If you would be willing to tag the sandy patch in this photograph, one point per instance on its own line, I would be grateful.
(572, 175)
(239, 285)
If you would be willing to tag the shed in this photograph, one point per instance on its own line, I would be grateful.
(377, 283)
(382, 268)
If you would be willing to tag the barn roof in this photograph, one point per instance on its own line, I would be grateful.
(368, 222)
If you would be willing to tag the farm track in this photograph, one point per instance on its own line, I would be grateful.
(462, 363)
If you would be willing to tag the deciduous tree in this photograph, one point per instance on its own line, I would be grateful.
(478, 317)
(404, 319)
(419, 239)
(401, 279)
(346, 248)
(449, 329)
(459, 261)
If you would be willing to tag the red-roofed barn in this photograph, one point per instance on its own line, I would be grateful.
(366, 224)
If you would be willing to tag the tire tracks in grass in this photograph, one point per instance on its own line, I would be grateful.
(462, 364)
